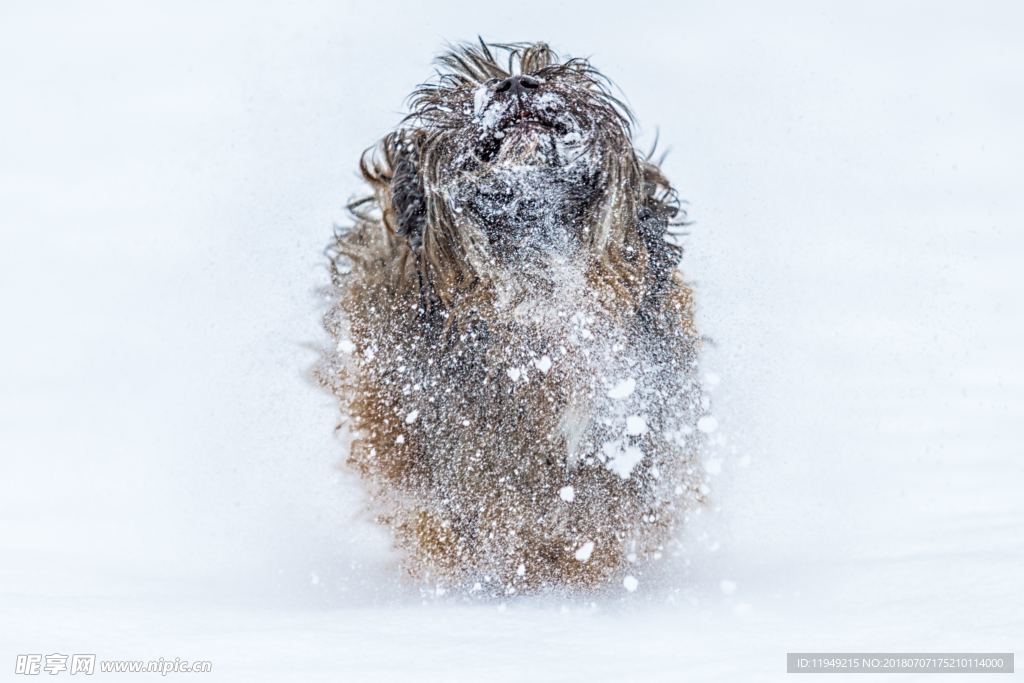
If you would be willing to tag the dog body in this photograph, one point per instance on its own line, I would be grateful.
(515, 344)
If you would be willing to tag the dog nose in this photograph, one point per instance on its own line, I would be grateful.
(517, 84)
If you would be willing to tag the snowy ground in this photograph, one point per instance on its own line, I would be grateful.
(170, 173)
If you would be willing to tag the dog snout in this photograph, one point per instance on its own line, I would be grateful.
(517, 84)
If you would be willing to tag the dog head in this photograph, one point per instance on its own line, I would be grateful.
(514, 158)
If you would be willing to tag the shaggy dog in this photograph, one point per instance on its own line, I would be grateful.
(515, 344)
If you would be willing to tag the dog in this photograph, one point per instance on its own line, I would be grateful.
(514, 345)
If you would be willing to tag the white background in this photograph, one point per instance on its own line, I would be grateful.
(169, 174)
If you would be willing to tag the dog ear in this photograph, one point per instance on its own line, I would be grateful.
(662, 256)
(408, 201)
(656, 214)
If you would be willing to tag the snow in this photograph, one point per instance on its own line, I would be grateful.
(481, 96)
(707, 424)
(630, 583)
(584, 552)
(543, 364)
(171, 481)
(636, 425)
(622, 457)
(622, 389)
(411, 416)
(567, 493)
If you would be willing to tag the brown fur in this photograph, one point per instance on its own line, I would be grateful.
(462, 438)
